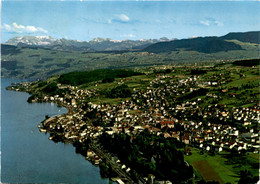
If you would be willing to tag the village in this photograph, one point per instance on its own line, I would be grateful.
(155, 109)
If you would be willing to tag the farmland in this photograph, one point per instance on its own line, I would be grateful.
(219, 167)
(206, 171)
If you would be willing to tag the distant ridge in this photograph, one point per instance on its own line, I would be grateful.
(251, 37)
(205, 44)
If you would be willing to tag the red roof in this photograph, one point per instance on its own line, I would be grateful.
(167, 122)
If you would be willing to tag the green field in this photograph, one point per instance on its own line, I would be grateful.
(226, 171)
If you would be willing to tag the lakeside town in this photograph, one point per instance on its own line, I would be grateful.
(130, 92)
(171, 104)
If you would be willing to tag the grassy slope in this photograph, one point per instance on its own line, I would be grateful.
(217, 162)
(251, 75)
(140, 82)
(137, 82)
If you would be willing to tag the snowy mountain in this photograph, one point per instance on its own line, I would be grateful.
(97, 44)
(31, 40)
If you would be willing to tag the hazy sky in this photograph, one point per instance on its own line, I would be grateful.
(82, 20)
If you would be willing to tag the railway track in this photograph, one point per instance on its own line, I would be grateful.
(115, 166)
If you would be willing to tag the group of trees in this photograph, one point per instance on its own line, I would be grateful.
(247, 177)
(105, 75)
(247, 62)
(108, 80)
(122, 91)
(53, 89)
(162, 71)
(198, 72)
(147, 153)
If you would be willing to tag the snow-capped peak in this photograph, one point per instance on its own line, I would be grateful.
(32, 40)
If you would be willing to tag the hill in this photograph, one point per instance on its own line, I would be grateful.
(251, 37)
(204, 45)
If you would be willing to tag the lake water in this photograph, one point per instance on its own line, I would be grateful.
(27, 155)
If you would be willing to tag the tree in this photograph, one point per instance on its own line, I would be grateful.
(247, 177)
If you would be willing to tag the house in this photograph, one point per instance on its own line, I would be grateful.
(166, 135)
(170, 124)
(218, 148)
(73, 102)
(185, 138)
(176, 136)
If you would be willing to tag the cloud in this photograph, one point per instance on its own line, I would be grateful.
(124, 18)
(205, 22)
(128, 35)
(211, 22)
(121, 18)
(116, 18)
(218, 23)
(16, 28)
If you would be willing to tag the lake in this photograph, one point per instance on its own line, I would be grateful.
(27, 155)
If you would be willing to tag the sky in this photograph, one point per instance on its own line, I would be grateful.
(120, 20)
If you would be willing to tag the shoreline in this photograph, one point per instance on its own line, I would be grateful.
(37, 114)
(90, 154)
(95, 155)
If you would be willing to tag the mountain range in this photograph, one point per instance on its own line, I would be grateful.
(97, 44)
(43, 56)
(200, 44)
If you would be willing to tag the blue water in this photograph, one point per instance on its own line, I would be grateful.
(27, 155)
